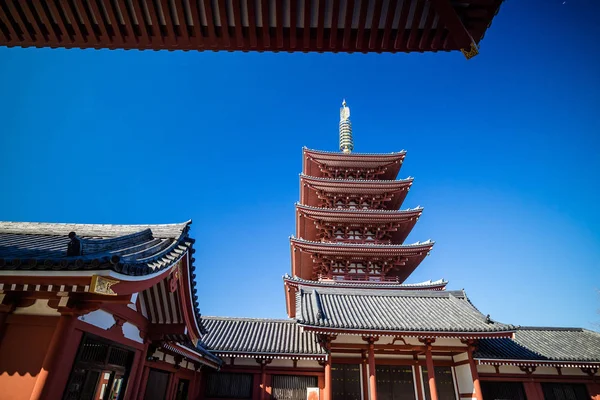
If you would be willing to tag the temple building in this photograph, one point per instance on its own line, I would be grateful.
(111, 312)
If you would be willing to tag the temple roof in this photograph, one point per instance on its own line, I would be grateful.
(362, 248)
(542, 345)
(195, 353)
(397, 224)
(341, 214)
(269, 25)
(445, 313)
(127, 249)
(397, 188)
(440, 284)
(257, 337)
(393, 161)
(411, 255)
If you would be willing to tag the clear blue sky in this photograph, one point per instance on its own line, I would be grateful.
(504, 148)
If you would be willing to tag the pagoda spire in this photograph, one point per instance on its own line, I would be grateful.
(346, 142)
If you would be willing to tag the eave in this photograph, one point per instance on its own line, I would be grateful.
(538, 363)
(303, 250)
(397, 189)
(432, 334)
(312, 159)
(429, 285)
(403, 220)
(241, 25)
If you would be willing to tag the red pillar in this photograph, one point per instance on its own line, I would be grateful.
(52, 360)
(139, 372)
(372, 378)
(474, 375)
(533, 391)
(594, 390)
(430, 372)
(418, 378)
(143, 383)
(327, 391)
(365, 377)
(263, 381)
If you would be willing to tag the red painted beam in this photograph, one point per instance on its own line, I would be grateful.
(198, 37)
(279, 21)
(362, 20)
(375, 25)
(293, 23)
(183, 26)
(237, 20)
(348, 24)
(252, 23)
(264, 12)
(225, 41)
(399, 42)
(450, 18)
(335, 15)
(212, 36)
(391, 13)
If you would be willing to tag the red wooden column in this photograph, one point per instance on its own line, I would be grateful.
(143, 383)
(54, 357)
(263, 377)
(533, 391)
(372, 378)
(474, 373)
(418, 378)
(365, 376)
(327, 391)
(430, 369)
(139, 373)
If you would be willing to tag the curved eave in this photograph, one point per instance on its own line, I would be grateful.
(538, 363)
(436, 285)
(270, 355)
(360, 249)
(313, 158)
(379, 185)
(357, 214)
(433, 333)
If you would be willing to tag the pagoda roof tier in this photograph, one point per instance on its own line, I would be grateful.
(316, 192)
(410, 313)
(318, 163)
(440, 284)
(258, 337)
(397, 223)
(313, 259)
(269, 25)
(543, 346)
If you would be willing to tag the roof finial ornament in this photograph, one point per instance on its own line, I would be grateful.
(346, 142)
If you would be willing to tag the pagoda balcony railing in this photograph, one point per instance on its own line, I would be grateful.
(364, 278)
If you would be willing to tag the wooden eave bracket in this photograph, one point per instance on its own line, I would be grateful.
(460, 34)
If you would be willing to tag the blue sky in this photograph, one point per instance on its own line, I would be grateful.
(504, 149)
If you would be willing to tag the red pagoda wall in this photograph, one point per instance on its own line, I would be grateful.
(22, 349)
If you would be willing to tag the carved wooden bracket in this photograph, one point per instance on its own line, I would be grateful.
(528, 370)
(400, 339)
(590, 371)
(427, 341)
(370, 339)
(263, 362)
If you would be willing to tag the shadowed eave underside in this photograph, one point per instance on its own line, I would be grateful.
(249, 25)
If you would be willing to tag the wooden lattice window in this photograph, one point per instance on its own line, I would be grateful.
(228, 385)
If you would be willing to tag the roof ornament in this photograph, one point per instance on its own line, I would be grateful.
(346, 142)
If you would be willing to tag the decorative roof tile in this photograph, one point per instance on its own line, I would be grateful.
(544, 344)
(352, 309)
(127, 249)
(256, 337)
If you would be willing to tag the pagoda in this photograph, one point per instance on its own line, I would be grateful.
(349, 228)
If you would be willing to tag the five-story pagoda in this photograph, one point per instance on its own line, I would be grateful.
(383, 337)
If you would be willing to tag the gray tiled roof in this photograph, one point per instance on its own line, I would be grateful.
(128, 249)
(392, 310)
(440, 283)
(544, 344)
(259, 337)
